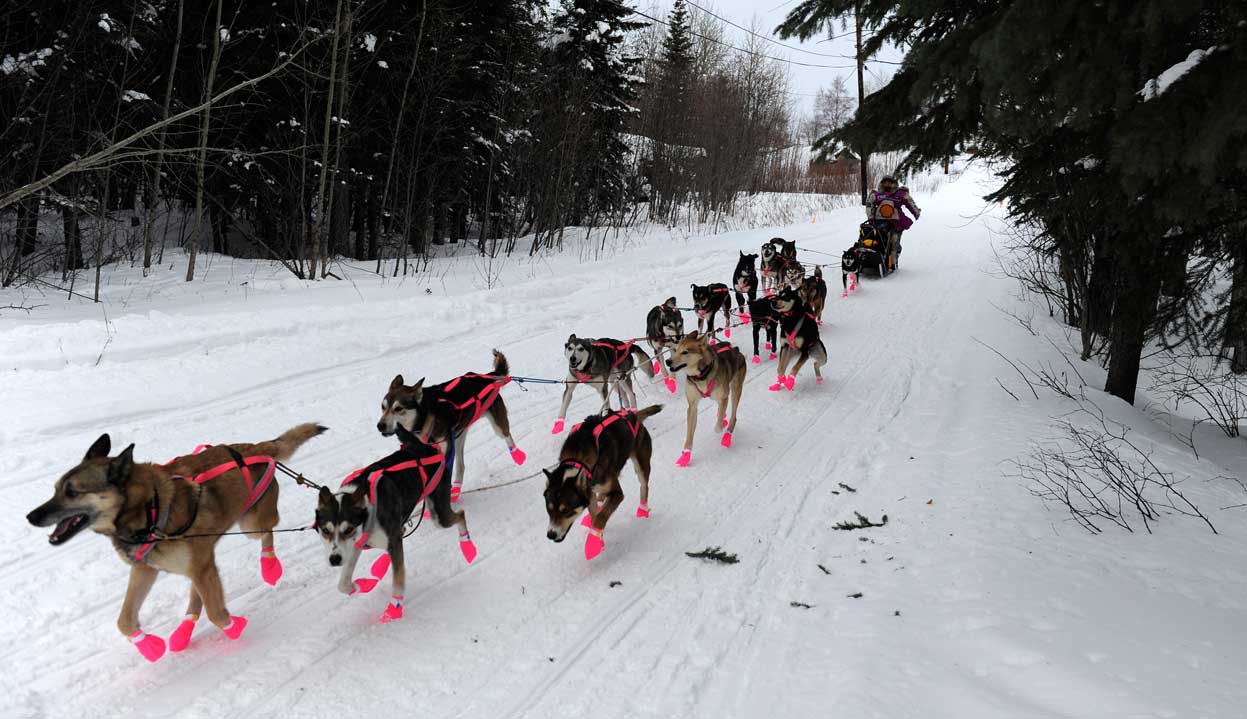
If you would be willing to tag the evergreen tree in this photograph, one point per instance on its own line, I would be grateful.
(1069, 95)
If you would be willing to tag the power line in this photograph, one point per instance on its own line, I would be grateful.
(760, 37)
(737, 49)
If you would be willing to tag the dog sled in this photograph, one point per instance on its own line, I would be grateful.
(877, 247)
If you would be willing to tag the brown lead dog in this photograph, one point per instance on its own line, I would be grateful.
(587, 475)
(716, 373)
(169, 518)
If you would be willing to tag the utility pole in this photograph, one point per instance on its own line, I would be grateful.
(861, 91)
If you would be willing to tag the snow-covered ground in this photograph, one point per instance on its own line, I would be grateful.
(973, 601)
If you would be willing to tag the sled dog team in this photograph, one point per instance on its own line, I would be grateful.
(169, 517)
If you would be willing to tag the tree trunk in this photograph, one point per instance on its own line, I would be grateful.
(1138, 289)
(359, 216)
(1100, 290)
(73, 239)
(320, 207)
(374, 226)
(27, 228)
(203, 145)
(153, 183)
(1236, 318)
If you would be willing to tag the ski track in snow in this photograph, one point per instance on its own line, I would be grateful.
(978, 603)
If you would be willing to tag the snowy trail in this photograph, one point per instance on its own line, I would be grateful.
(946, 625)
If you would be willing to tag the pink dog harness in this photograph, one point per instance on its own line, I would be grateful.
(157, 516)
(430, 484)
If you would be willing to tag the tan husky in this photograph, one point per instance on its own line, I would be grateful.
(169, 517)
(716, 373)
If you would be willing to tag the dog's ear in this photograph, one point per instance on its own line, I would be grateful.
(417, 390)
(694, 285)
(397, 383)
(692, 336)
(324, 497)
(119, 469)
(100, 448)
(742, 253)
(670, 302)
(571, 338)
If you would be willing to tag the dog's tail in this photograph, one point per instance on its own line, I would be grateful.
(643, 360)
(290, 440)
(649, 411)
(502, 368)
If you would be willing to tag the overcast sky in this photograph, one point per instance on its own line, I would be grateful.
(805, 80)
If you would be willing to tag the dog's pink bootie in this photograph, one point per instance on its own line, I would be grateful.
(844, 294)
(773, 357)
(558, 426)
(685, 457)
(712, 341)
(819, 380)
(393, 610)
(757, 359)
(364, 585)
(769, 348)
(587, 521)
(670, 382)
(517, 455)
(468, 547)
(779, 384)
(181, 637)
(381, 566)
(745, 318)
(593, 544)
(150, 646)
(853, 286)
(790, 381)
(642, 511)
(233, 630)
(723, 423)
(657, 366)
(270, 567)
(727, 332)
(455, 492)
(427, 513)
(727, 439)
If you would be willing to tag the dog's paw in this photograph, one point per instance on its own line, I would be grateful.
(819, 380)
(657, 366)
(150, 646)
(773, 357)
(558, 426)
(685, 457)
(790, 381)
(844, 294)
(757, 359)
(769, 348)
(727, 439)
(593, 544)
(468, 547)
(670, 382)
(360, 586)
(181, 637)
(236, 625)
(455, 492)
(270, 567)
(393, 611)
(517, 455)
(642, 511)
(779, 384)
(727, 332)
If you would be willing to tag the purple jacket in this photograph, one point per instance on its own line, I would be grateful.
(901, 199)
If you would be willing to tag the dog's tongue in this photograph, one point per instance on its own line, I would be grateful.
(65, 527)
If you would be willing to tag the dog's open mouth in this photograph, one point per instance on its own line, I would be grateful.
(67, 528)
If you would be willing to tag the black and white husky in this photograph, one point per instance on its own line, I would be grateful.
(850, 270)
(370, 511)
(745, 283)
(664, 326)
(602, 362)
